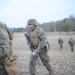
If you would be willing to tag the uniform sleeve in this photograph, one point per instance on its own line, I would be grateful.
(42, 36)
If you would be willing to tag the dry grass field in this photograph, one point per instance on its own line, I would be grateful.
(62, 61)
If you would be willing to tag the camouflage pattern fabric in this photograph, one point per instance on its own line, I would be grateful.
(4, 41)
(5, 44)
(60, 42)
(71, 43)
(43, 52)
(41, 35)
(2, 69)
(32, 21)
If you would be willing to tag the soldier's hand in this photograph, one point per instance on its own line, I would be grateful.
(37, 51)
(34, 53)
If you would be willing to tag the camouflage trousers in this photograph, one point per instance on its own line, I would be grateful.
(2, 69)
(72, 47)
(45, 60)
(61, 46)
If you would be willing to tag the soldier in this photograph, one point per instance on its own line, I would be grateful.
(71, 43)
(60, 42)
(38, 39)
(5, 46)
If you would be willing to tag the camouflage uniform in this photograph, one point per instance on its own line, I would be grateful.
(38, 39)
(71, 43)
(60, 42)
(5, 46)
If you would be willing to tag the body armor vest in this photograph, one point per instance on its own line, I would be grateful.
(34, 38)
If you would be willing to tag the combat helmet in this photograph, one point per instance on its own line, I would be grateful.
(32, 21)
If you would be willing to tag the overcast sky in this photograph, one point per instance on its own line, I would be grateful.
(15, 13)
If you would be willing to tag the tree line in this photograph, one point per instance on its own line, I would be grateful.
(65, 25)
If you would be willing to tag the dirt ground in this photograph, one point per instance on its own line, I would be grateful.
(62, 61)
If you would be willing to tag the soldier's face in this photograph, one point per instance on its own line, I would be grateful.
(31, 27)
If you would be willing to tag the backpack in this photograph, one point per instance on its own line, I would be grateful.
(4, 42)
(10, 62)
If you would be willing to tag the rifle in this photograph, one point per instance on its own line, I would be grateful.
(32, 49)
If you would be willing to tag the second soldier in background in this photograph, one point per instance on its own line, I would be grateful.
(71, 43)
(60, 42)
